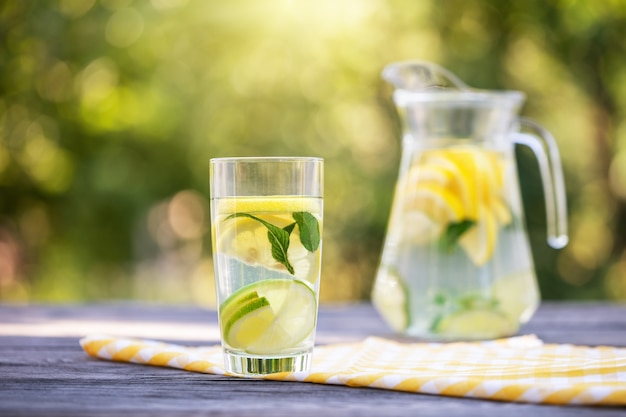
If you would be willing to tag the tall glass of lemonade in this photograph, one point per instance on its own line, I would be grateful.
(266, 215)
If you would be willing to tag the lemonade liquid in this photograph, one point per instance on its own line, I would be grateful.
(456, 262)
(268, 251)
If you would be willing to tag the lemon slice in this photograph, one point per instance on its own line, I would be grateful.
(418, 228)
(246, 239)
(517, 295)
(278, 317)
(436, 202)
(425, 173)
(389, 296)
(476, 174)
(479, 241)
(462, 177)
(475, 324)
(501, 211)
(453, 185)
(269, 204)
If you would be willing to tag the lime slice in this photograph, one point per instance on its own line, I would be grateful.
(227, 309)
(475, 324)
(389, 298)
(249, 322)
(278, 318)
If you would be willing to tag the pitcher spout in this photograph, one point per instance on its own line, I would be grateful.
(421, 76)
(424, 82)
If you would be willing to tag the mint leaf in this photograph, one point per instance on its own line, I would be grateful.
(279, 239)
(440, 299)
(475, 302)
(453, 233)
(309, 230)
(280, 243)
(289, 228)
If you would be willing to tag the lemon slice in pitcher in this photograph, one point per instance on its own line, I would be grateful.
(462, 182)
(389, 296)
(436, 202)
(479, 241)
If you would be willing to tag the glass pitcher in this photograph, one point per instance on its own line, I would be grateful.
(456, 262)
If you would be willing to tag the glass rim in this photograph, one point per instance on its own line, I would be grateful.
(267, 159)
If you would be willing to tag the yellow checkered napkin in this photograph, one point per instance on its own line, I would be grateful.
(519, 369)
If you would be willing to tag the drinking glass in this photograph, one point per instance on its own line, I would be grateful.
(266, 215)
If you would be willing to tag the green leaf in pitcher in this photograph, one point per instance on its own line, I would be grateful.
(452, 234)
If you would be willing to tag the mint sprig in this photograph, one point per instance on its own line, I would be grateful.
(279, 238)
(453, 233)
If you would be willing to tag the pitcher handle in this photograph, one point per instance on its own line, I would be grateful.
(551, 177)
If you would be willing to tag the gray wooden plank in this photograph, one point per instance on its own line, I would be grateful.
(66, 382)
(52, 376)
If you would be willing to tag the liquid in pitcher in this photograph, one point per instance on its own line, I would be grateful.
(456, 262)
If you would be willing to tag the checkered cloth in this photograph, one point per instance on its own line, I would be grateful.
(521, 369)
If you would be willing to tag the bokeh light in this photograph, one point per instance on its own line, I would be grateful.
(111, 109)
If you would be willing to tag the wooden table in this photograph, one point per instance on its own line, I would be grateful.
(44, 372)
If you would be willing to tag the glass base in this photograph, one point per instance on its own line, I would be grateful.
(256, 365)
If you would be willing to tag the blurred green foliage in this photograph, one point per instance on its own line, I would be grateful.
(111, 109)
